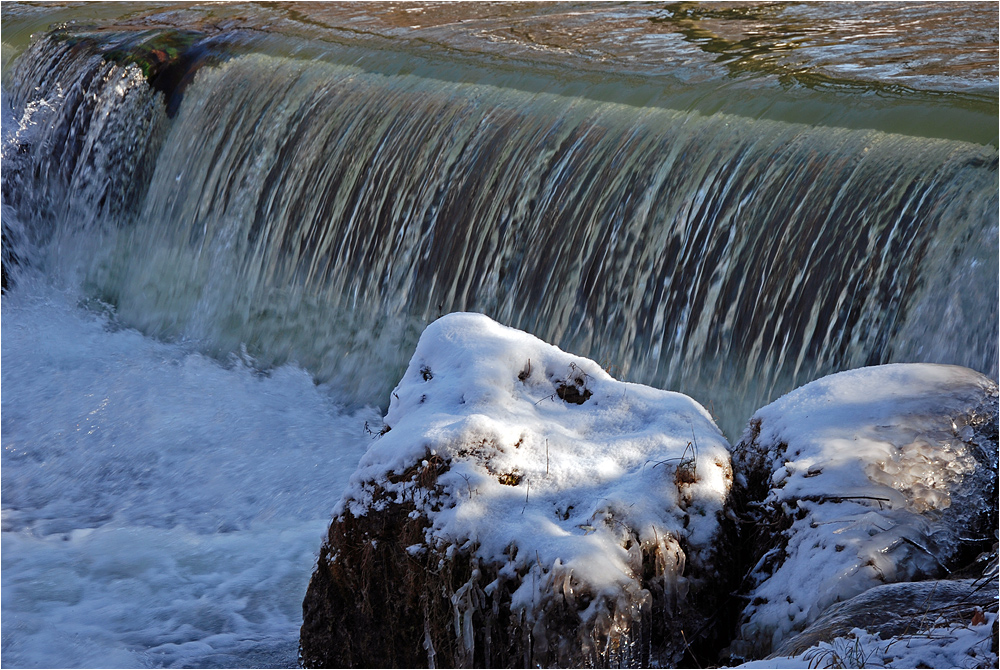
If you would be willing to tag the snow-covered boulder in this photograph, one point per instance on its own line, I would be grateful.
(859, 479)
(521, 507)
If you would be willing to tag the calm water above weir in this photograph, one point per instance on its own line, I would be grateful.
(919, 68)
(727, 200)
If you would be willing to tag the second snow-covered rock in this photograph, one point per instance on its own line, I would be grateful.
(521, 507)
(867, 477)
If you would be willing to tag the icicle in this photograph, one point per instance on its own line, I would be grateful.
(566, 584)
(428, 642)
(466, 601)
(526, 634)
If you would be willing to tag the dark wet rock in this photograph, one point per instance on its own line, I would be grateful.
(896, 610)
(168, 59)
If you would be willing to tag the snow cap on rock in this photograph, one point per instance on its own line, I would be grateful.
(548, 451)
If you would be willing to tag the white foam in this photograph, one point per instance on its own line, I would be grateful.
(159, 508)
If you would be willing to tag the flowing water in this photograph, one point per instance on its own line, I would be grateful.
(226, 225)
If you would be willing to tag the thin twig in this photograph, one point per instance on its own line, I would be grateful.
(688, 646)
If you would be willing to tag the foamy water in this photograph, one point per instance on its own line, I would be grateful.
(159, 508)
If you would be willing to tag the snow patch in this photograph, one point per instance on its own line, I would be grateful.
(938, 645)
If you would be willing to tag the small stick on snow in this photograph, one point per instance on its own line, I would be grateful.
(837, 499)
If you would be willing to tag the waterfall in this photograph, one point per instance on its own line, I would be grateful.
(323, 213)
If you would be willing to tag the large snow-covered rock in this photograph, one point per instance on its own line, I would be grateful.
(521, 507)
(859, 479)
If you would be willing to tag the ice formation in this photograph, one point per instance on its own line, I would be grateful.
(865, 477)
(900, 610)
(521, 506)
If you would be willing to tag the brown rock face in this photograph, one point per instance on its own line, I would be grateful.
(368, 599)
(381, 597)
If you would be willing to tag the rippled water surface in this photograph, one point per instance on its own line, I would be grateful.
(922, 68)
(926, 46)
